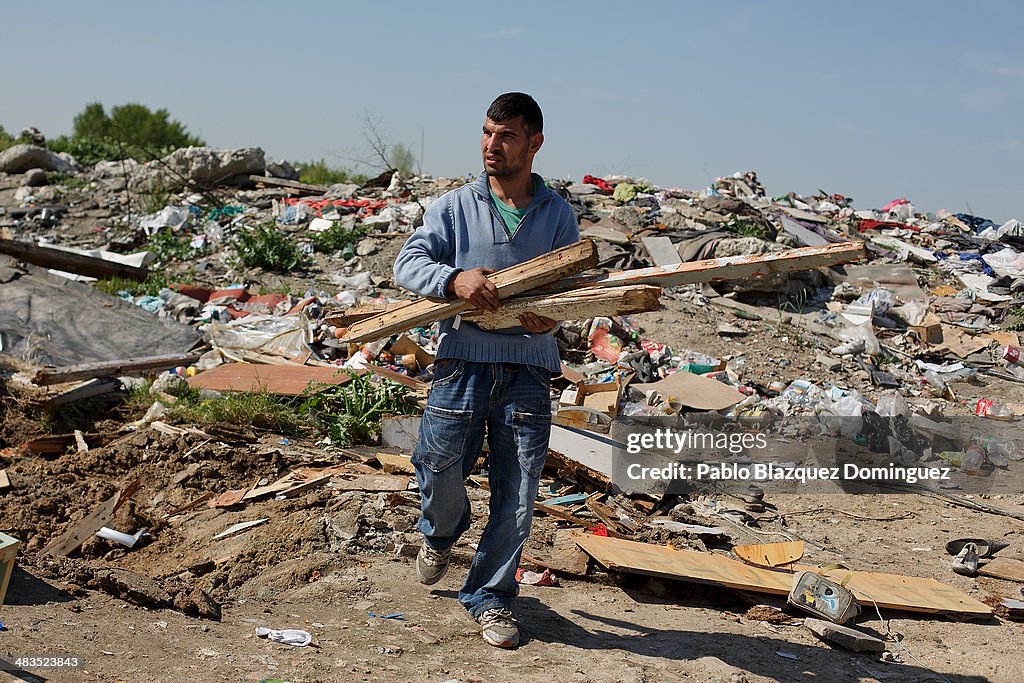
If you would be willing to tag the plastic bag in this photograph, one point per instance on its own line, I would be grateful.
(864, 332)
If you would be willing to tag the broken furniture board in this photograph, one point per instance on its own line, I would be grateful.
(887, 590)
(694, 391)
(719, 269)
(545, 269)
(897, 278)
(661, 250)
(8, 553)
(49, 320)
(88, 389)
(282, 380)
(76, 535)
(575, 305)
(770, 554)
(1004, 568)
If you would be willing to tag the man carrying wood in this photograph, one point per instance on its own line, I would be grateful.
(495, 381)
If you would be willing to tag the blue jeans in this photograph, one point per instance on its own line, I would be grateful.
(512, 402)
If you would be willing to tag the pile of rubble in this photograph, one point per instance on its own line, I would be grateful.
(894, 350)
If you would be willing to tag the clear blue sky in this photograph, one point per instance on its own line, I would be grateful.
(876, 100)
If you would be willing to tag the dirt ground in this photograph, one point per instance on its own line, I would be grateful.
(326, 561)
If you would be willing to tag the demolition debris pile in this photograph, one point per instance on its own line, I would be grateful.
(227, 370)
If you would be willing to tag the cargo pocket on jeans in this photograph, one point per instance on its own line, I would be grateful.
(531, 432)
(443, 436)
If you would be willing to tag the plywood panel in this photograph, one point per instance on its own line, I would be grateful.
(770, 554)
(887, 590)
(284, 380)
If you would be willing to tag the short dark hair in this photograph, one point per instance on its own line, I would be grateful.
(513, 104)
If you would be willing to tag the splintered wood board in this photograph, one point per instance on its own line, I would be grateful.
(1004, 568)
(70, 540)
(283, 380)
(770, 554)
(720, 269)
(575, 305)
(888, 590)
(545, 269)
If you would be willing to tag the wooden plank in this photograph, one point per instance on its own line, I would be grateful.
(770, 554)
(720, 269)
(661, 250)
(289, 184)
(283, 380)
(576, 305)
(87, 389)
(70, 540)
(70, 262)
(357, 313)
(1004, 568)
(372, 482)
(545, 269)
(127, 366)
(196, 502)
(888, 590)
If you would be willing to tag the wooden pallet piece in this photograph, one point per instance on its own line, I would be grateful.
(545, 269)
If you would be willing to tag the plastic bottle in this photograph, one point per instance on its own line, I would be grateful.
(989, 408)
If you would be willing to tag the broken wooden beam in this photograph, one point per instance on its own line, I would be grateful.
(719, 269)
(70, 262)
(76, 535)
(113, 368)
(305, 188)
(545, 269)
(574, 305)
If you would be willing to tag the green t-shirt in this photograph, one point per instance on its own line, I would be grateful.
(509, 216)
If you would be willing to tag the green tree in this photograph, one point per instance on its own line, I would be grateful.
(93, 123)
(5, 139)
(133, 125)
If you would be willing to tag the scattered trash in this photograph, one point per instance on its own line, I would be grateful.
(287, 636)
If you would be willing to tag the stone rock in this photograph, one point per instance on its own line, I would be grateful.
(197, 603)
(844, 636)
(108, 170)
(34, 178)
(132, 587)
(200, 168)
(21, 158)
(282, 169)
(724, 205)
(628, 216)
(341, 191)
(168, 383)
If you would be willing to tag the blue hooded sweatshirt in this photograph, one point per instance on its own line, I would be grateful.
(463, 230)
